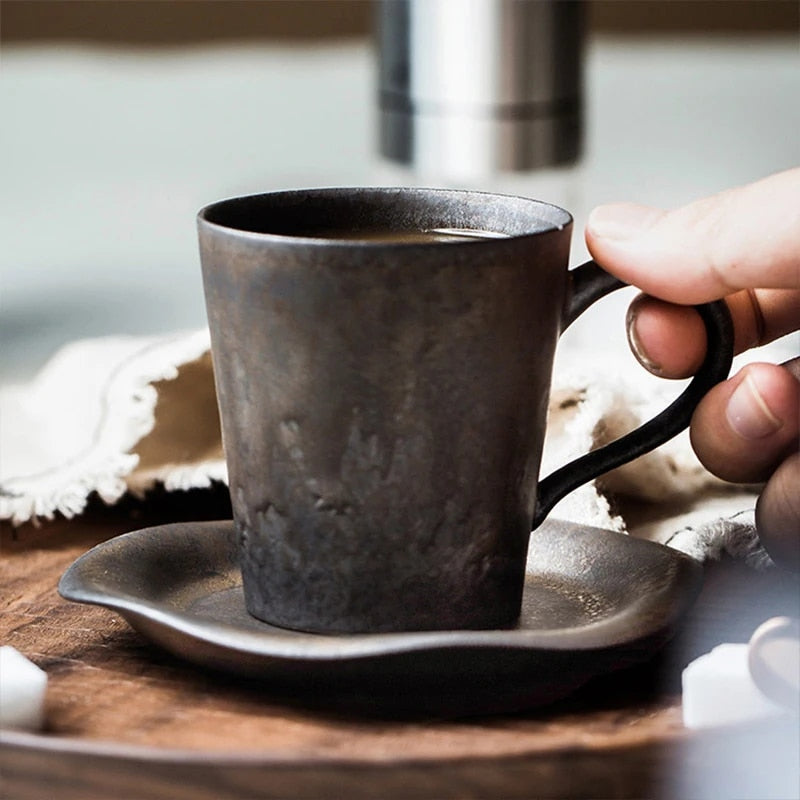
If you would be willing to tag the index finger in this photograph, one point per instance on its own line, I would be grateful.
(743, 238)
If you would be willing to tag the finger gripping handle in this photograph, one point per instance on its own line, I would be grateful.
(589, 283)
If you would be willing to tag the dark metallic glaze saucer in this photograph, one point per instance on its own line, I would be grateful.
(594, 601)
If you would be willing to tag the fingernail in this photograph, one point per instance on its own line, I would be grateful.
(621, 221)
(636, 343)
(748, 414)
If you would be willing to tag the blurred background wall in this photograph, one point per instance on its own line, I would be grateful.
(120, 118)
(152, 22)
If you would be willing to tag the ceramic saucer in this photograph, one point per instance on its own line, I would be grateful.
(594, 601)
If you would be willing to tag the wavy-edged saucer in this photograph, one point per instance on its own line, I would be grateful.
(594, 600)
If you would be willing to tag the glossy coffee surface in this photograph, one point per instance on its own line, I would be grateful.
(405, 236)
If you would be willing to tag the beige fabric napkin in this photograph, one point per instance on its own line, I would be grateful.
(109, 415)
(117, 415)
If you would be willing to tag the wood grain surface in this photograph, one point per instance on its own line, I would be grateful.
(125, 719)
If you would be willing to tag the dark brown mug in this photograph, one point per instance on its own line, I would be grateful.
(383, 395)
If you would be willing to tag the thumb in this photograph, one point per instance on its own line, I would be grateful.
(743, 238)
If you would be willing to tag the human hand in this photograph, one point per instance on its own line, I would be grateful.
(742, 245)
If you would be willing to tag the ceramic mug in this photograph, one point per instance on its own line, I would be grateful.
(383, 391)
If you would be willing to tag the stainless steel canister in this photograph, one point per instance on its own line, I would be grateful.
(472, 87)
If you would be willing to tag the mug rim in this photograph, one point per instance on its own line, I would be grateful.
(553, 219)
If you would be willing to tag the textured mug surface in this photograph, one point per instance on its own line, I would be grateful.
(383, 403)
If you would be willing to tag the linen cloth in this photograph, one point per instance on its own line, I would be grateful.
(122, 414)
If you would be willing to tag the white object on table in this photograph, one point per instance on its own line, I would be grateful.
(22, 690)
(718, 689)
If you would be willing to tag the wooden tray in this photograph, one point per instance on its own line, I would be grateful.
(125, 719)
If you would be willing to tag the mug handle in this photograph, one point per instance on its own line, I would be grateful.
(588, 283)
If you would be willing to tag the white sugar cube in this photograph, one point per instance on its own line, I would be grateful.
(22, 688)
(718, 690)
